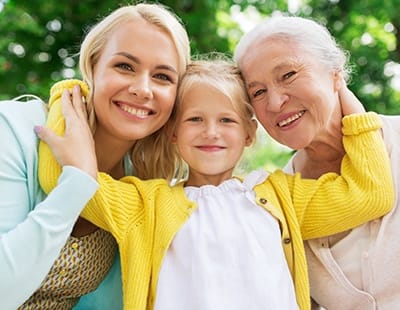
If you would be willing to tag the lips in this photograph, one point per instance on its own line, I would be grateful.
(291, 119)
(210, 148)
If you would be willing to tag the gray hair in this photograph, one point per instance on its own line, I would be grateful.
(308, 34)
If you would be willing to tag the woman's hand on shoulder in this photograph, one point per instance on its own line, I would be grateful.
(76, 147)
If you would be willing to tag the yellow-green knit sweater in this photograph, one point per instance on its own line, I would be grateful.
(144, 216)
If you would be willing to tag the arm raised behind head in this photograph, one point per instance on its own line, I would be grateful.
(76, 146)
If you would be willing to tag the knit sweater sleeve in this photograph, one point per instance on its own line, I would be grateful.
(119, 204)
(363, 191)
(32, 229)
(48, 167)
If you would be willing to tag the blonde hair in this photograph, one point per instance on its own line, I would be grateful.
(149, 155)
(217, 71)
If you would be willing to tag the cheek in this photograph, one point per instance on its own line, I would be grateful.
(169, 96)
(100, 88)
(166, 110)
(166, 101)
(262, 116)
(183, 143)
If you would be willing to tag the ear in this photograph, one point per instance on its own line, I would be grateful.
(251, 132)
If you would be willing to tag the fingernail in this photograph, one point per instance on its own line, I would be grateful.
(37, 129)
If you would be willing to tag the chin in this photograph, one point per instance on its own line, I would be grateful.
(295, 145)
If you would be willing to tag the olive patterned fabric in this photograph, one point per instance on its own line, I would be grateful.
(82, 265)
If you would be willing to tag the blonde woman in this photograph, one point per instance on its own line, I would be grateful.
(131, 63)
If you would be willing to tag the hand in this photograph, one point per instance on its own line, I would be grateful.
(76, 147)
(349, 102)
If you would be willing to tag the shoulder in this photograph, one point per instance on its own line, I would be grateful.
(18, 118)
(391, 123)
(16, 111)
(391, 135)
(17, 121)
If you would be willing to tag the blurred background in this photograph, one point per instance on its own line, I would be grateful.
(39, 41)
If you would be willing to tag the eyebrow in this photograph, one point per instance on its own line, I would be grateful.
(137, 60)
(275, 69)
(252, 84)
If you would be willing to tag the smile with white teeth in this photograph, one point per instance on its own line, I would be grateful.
(291, 119)
(134, 111)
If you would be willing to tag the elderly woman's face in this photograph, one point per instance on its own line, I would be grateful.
(294, 95)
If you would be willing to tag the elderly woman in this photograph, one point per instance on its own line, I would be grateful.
(294, 70)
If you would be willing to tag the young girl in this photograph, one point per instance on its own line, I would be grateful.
(215, 241)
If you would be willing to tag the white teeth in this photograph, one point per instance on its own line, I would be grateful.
(291, 119)
(133, 111)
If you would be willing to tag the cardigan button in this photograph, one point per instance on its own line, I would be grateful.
(286, 240)
(263, 201)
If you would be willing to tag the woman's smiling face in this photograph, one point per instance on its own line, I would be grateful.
(135, 82)
(293, 95)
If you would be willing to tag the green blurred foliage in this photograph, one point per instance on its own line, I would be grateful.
(370, 31)
(39, 41)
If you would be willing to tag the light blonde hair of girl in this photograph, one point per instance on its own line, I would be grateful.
(219, 72)
(151, 157)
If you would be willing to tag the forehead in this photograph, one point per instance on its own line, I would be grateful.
(203, 96)
(272, 54)
(141, 37)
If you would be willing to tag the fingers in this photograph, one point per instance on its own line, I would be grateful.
(66, 105)
(73, 106)
(47, 135)
(349, 102)
(79, 102)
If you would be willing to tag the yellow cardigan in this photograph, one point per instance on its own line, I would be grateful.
(144, 216)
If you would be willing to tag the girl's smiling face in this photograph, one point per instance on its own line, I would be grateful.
(210, 135)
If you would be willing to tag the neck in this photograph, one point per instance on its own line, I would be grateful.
(198, 180)
(323, 155)
(110, 155)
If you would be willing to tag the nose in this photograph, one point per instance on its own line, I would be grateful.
(141, 87)
(276, 99)
(211, 130)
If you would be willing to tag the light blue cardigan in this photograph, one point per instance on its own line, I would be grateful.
(33, 229)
